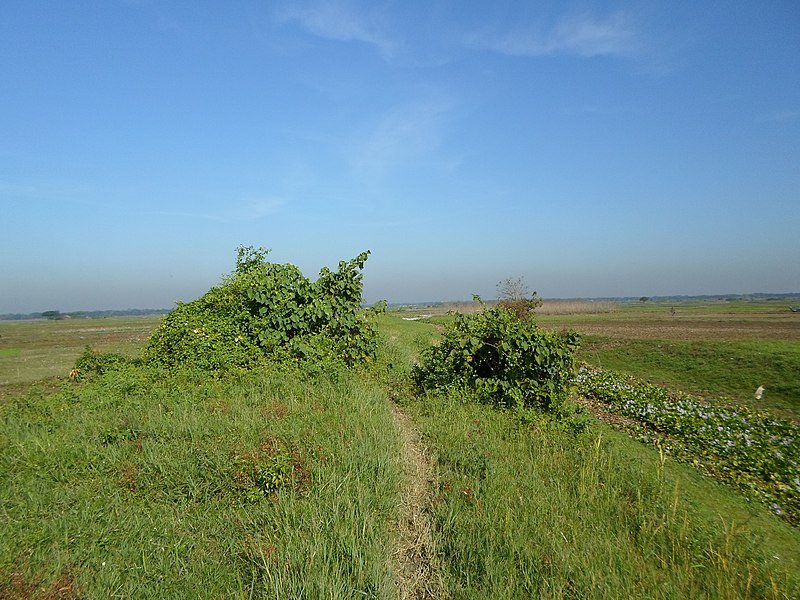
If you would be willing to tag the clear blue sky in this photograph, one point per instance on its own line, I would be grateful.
(596, 149)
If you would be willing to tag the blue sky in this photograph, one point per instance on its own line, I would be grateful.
(596, 149)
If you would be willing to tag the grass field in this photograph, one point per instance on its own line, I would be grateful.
(722, 350)
(32, 350)
(297, 482)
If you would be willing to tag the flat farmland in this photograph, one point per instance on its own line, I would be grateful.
(722, 350)
(33, 350)
(710, 320)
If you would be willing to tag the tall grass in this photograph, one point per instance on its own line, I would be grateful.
(544, 512)
(132, 486)
(576, 307)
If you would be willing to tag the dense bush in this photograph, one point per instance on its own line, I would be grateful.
(501, 358)
(91, 362)
(266, 310)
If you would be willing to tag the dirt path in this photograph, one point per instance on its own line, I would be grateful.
(414, 555)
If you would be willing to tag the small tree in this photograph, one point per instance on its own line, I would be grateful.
(513, 295)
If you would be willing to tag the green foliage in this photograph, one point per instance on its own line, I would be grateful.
(267, 310)
(504, 360)
(93, 362)
(211, 334)
(757, 453)
(267, 470)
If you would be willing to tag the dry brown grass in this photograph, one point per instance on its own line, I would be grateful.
(575, 307)
(548, 307)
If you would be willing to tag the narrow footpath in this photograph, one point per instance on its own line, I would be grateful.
(415, 554)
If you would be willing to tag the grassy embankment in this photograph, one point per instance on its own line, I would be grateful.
(136, 485)
(542, 511)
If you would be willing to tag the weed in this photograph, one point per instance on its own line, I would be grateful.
(269, 469)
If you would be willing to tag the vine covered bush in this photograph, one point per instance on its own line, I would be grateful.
(267, 310)
(502, 359)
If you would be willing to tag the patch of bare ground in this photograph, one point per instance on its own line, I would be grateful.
(599, 410)
(16, 587)
(414, 555)
(707, 328)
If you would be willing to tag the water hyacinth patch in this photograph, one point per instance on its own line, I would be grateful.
(758, 453)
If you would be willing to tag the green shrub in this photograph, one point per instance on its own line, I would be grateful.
(502, 359)
(268, 311)
(92, 362)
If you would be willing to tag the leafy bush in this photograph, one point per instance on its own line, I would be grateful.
(266, 310)
(92, 362)
(503, 359)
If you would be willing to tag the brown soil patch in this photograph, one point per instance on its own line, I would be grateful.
(601, 412)
(16, 587)
(415, 554)
(702, 327)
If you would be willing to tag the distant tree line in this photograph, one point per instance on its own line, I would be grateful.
(54, 315)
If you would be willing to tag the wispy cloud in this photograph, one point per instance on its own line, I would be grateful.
(246, 210)
(342, 21)
(253, 209)
(581, 35)
(403, 136)
(47, 192)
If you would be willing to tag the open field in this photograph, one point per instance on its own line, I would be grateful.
(32, 350)
(722, 350)
(324, 482)
(688, 321)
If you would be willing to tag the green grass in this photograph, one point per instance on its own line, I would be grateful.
(731, 369)
(546, 513)
(33, 350)
(144, 484)
(132, 486)
(715, 349)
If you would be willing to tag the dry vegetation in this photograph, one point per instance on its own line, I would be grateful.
(575, 307)
(548, 307)
(679, 322)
